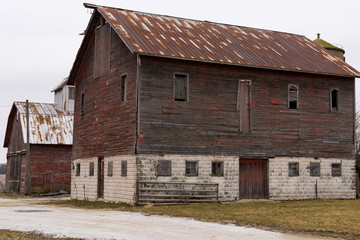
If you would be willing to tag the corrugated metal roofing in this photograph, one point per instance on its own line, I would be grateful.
(48, 123)
(166, 36)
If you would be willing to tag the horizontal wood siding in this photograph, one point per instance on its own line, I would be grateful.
(208, 123)
(108, 126)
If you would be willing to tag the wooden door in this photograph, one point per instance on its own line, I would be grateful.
(253, 179)
(100, 178)
(243, 105)
(15, 173)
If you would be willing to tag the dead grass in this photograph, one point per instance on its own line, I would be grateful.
(335, 218)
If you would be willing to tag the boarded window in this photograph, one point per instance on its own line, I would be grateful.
(123, 88)
(191, 168)
(164, 168)
(71, 93)
(336, 169)
(123, 168)
(217, 168)
(110, 169)
(82, 102)
(314, 169)
(293, 169)
(180, 87)
(91, 169)
(292, 96)
(102, 51)
(77, 169)
(334, 100)
(243, 105)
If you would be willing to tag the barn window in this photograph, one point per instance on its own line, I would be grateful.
(91, 169)
(217, 168)
(77, 169)
(164, 168)
(334, 100)
(336, 169)
(292, 96)
(191, 168)
(102, 50)
(180, 87)
(123, 88)
(123, 168)
(110, 169)
(294, 169)
(82, 101)
(315, 169)
(71, 93)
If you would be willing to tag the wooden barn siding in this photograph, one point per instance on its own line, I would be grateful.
(108, 126)
(50, 167)
(208, 123)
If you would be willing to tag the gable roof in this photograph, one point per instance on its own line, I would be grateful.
(48, 123)
(173, 37)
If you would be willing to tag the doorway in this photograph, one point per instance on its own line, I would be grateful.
(100, 190)
(253, 183)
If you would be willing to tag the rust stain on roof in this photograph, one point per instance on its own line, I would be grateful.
(48, 123)
(166, 36)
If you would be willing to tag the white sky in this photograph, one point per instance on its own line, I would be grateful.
(40, 38)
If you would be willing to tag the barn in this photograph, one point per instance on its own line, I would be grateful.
(50, 145)
(169, 109)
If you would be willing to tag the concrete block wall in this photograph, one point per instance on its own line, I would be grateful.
(228, 184)
(117, 188)
(285, 187)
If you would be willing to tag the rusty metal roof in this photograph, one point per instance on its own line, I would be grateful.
(166, 36)
(48, 123)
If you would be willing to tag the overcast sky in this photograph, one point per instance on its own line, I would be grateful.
(40, 38)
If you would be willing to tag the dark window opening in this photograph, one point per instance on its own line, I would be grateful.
(336, 169)
(91, 169)
(71, 93)
(217, 168)
(164, 168)
(334, 100)
(82, 103)
(180, 87)
(292, 97)
(191, 168)
(123, 88)
(110, 169)
(77, 170)
(123, 168)
(293, 169)
(314, 169)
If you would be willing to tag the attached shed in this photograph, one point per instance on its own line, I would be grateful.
(167, 108)
(51, 131)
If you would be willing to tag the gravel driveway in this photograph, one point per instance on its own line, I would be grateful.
(30, 215)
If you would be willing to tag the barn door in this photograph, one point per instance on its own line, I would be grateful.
(253, 179)
(100, 189)
(15, 173)
(243, 105)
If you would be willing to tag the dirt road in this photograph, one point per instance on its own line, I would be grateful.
(31, 215)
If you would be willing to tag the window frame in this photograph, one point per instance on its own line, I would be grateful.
(312, 166)
(77, 170)
(332, 109)
(110, 168)
(186, 87)
(82, 103)
(124, 168)
(214, 166)
(290, 96)
(297, 172)
(333, 173)
(71, 92)
(163, 173)
(91, 169)
(196, 168)
(123, 87)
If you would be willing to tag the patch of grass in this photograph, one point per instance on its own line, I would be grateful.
(336, 218)
(14, 235)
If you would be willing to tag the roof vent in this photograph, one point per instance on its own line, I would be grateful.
(318, 35)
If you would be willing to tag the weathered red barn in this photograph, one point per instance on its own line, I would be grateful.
(165, 104)
(50, 138)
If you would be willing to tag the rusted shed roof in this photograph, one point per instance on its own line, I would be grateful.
(48, 123)
(166, 36)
